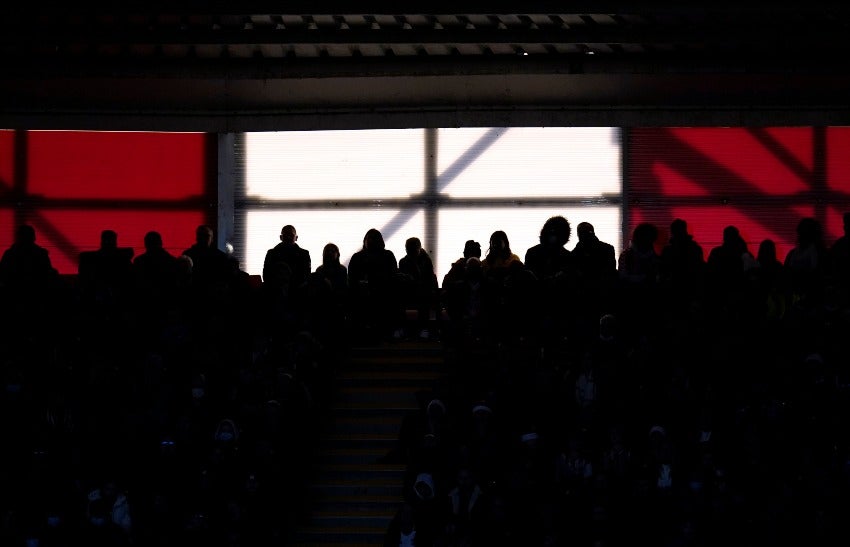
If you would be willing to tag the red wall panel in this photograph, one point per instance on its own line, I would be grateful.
(71, 185)
(762, 180)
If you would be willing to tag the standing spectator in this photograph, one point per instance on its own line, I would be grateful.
(638, 269)
(682, 265)
(420, 284)
(28, 287)
(371, 279)
(25, 266)
(806, 262)
(286, 265)
(328, 297)
(104, 274)
(596, 268)
(549, 258)
(211, 269)
(726, 270)
(499, 257)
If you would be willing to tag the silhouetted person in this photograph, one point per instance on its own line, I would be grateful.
(28, 280)
(596, 266)
(457, 271)
(372, 281)
(104, 275)
(26, 266)
(639, 263)
(770, 282)
(726, 270)
(419, 283)
(638, 269)
(594, 258)
(682, 265)
(327, 303)
(806, 262)
(549, 258)
(286, 265)
(155, 275)
(499, 257)
(211, 267)
(553, 270)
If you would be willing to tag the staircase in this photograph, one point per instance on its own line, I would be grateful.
(355, 494)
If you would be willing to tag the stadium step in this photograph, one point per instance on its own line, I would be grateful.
(354, 492)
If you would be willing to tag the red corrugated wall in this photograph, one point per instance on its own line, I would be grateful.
(71, 185)
(762, 180)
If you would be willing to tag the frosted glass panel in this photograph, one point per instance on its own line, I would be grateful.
(316, 228)
(529, 161)
(487, 164)
(522, 225)
(327, 165)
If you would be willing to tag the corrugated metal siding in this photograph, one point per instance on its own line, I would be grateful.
(71, 185)
(762, 180)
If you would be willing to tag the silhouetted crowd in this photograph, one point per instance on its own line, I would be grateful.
(667, 396)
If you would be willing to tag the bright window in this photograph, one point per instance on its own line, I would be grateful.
(443, 186)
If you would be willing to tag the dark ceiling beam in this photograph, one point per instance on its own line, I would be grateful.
(797, 65)
(327, 7)
(785, 36)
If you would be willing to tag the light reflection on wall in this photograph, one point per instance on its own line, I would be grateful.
(529, 162)
(327, 165)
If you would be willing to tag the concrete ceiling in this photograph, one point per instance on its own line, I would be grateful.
(213, 66)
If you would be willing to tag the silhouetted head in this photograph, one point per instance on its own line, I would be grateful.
(203, 235)
(731, 235)
(108, 239)
(644, 236)
(25, 235)
(678, 229)
(373, 240)
(555, 232)
(153, 240)
(767, 252)
(330, 254)
(472, 249)
(585, 231)
(412, 246)
(499, 245)
(288, 235)
(809, 232)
